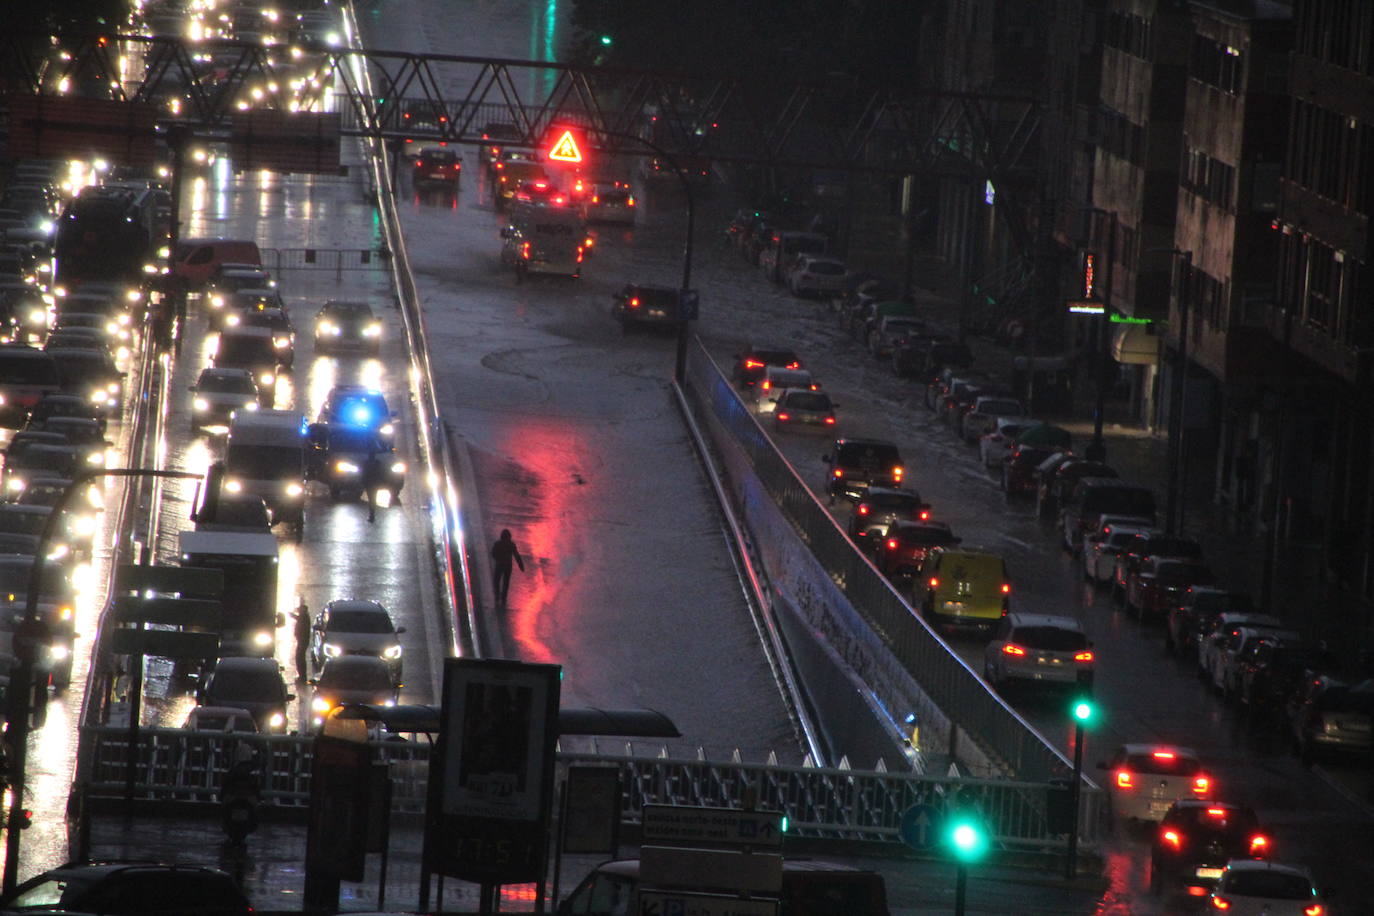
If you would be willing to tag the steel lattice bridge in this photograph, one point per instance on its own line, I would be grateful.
(395, 96)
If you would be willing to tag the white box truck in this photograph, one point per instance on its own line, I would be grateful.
(265, 456)
(543, 239)
(248, 605)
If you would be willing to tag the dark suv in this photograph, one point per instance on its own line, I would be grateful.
(440, 168)
(130, 888)
(857, 464)
(753, 360)
(1195, 841)
(645, 305)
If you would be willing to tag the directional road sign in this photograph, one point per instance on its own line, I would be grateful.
(168, 580)
(677, 903)
(920, 827)
(685, 824)
(711, 869)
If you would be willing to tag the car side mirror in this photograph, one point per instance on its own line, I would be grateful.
(400, 630)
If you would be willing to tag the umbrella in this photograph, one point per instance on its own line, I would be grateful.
(1046, 436)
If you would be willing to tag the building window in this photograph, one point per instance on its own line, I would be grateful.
(1216, 64)
(1208, 178)
(1323, 286)
(1131, 34)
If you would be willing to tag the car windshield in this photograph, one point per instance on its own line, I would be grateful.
(1000, 408)
(1273, 885)
(225, 383)
(1218, 820)
(1119, 538)
(245, 684)
(50, 894)
(1164, 763)
(263, 462)
(808, 400)
(27, 369)
(358, 622)
(354, 439)
(347, 311)
(22, 522)
(1172, 547)
(775, 357)
(243, 348)
(868, 455)
(1051, 639)
(897, 501)
(825, 268)
(1179, 573)
(80, 367)
(924, 537)
(15, 572)
(355, 677)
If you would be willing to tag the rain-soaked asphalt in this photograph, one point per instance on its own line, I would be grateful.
(577, 450)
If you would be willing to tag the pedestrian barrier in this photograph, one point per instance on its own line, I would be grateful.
(338, 260)
(823, 803)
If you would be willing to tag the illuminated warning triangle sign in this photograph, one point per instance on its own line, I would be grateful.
(565, 150)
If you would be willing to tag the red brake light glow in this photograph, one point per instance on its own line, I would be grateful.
(1124, 779)
(1315, 909)
(634, 302)
(892, 544)
(1013, 649)
(793, 365)
(1163, 755)
(1217, 812)
(1006, 588)
(1085, 656)
(924, 515)
(767, 384)
(863, 509)
(784, 416)
(752, 364)
(1259, 844)
(1172, 838)
(829, 421)
(1220, 903)
(839, 472)
(1201, 785)
(897, 472)
(934, 582)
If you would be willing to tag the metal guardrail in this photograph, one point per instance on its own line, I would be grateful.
(824, 803)
(338, 260)
(947, 680)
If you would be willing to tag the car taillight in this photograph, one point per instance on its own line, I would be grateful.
(1013, 649)
(1006, 588)
(752, 364)
(1201, 785)
(634, 302)
(1217, 812)
(1125, 779)
(892, 544)
(863, 509)
(525, 251)
(1315, 909)
(793, 365)
(829, 421)
(767, 384)
(1172, 838)
(934, 582)
(1220, 903)
(1085, 656)
(784, 416)
(579, 254)
(1259, 845)
(897, 472)
(839, 472)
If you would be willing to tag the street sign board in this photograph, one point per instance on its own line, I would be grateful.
(679, 903)
(58, 127)
(300, 141)
(169, 580)
(1085, 307)
(711, 869)
(176, 612)
(920, 826)
(683, 824)
(565, 149)
(163, 643)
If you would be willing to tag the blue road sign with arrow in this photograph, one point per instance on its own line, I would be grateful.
(920, 827)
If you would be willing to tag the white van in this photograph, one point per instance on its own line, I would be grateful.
(540, 239)
(775, 380)
(265, 456)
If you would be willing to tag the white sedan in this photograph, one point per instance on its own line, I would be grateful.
(1101, 548)
(1251, 887)
(995, 444)
(816, 275)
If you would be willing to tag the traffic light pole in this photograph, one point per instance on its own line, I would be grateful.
(960, 888)
(33, 631)
(1071, 860)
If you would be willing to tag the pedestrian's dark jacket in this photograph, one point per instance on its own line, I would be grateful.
(504, 552)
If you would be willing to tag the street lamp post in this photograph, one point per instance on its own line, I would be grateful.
(23, 686)
(1178, 477)
(1097, 448)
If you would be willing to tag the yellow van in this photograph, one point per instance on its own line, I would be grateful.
(963, 587)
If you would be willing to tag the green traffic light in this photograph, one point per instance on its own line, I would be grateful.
(784, 823)
(968, 841)
(1084, 711)
(606, 40)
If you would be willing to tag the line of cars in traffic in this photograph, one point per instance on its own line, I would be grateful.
(1204, 848)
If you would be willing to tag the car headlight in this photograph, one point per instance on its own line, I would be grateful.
(67, 612)
(268, 378)
(59, 653)
(262, 639)
(84, 526)
(372, 330)
(38, 316)
(346, 467)
(96, 458)
(392, 651)
(398, 468)
(387, 429)
(97, 397)
(112, 328)
(125, 319)
(233, 486)
(281, 343)
(217, 301)
(59, 552)
(14, 484)
(332, 651)
(201, 404)
(321, 705)
(112, 387)
(276, 720)
(233, 321)
(294, 489)
(250, 405)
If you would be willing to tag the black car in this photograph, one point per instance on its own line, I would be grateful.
(752, 360)
(858, 464)
(900, 550)
(1018, 468)
(339, 454)
(437, 168)
(1195, 841)
(342, 325)
(645, 305)
(158, 890)
(276, 321)
(1199, 605)
(881, 507)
